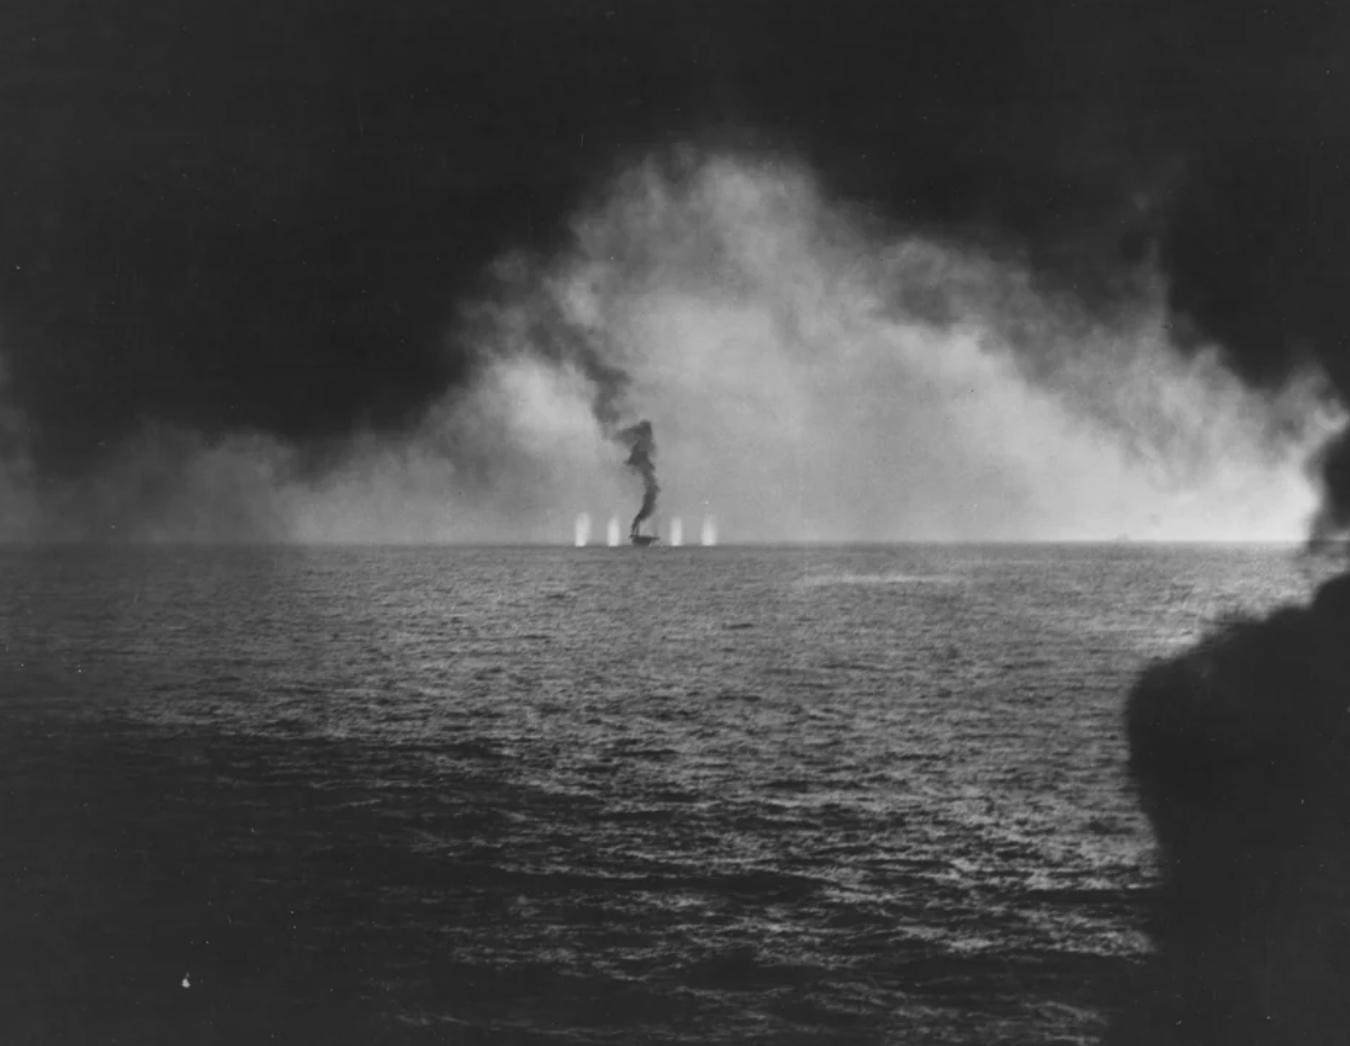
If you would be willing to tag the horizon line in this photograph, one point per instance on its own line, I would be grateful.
(783, 544)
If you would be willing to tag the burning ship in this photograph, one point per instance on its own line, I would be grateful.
(642, 447)
(641, 540)
(636, 537)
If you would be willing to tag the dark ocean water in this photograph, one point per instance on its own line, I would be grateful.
(867, 795)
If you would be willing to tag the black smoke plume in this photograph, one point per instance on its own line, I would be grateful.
(641, 454)
(1240, 750)
(290, 274)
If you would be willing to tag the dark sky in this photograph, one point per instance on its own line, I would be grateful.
(238, 214)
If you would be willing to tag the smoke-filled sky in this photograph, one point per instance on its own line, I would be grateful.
(362, 271)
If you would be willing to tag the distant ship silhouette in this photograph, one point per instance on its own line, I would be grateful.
(636, 537)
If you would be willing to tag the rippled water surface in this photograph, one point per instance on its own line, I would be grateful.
(581, 796)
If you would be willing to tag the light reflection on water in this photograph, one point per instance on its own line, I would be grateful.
(704, 794)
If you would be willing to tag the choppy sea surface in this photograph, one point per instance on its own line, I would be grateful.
(793, 795)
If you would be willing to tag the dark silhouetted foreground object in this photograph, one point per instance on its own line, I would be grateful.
(1239, 750)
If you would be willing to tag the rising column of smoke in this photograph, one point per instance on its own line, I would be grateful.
(546, 319)
(852, 382)
(815, 376)
(641, 441)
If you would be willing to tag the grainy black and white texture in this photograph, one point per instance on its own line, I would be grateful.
(573, 796)
(235, 242)
(283, 286)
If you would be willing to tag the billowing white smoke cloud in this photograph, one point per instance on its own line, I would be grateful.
(809, 376)
(812, 380)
